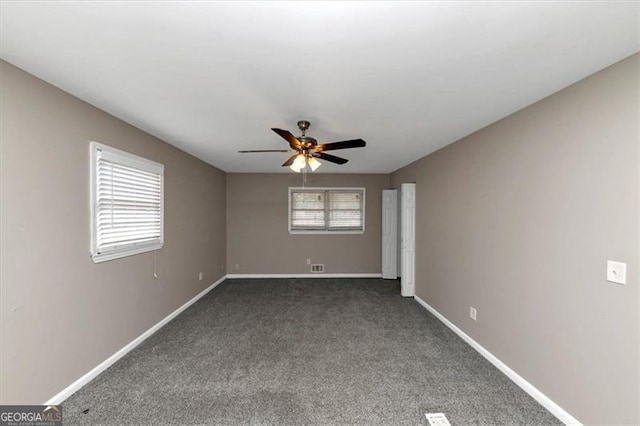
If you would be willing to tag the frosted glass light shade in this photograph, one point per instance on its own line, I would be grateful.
(313, 163)
(298, 164)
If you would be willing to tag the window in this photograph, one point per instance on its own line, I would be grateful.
(326, 210)
(127, 198)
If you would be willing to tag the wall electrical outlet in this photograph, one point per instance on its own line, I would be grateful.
(616, 272)
(200, 276)
(236, 266)
(308, 261)
(473, 314)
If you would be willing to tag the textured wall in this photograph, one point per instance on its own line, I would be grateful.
(258, 239)
(62, 314)
(519, 219)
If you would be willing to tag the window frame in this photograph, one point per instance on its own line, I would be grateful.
(130, 160)
(326, 231)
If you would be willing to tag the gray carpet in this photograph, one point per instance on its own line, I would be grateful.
(294, 352)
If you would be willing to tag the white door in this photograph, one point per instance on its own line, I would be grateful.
(389, 234)
(408, 225)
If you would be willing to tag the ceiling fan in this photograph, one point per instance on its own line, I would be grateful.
(308, 150)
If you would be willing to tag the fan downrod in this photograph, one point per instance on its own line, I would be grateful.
(307, 141)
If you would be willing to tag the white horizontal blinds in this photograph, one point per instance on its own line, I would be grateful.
(327, 209)
(308, 210)
(128, 204)
(345, 210)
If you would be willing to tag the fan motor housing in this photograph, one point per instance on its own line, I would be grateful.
(307, 141)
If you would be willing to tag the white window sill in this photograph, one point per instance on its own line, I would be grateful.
(304, 232)
(103, 257)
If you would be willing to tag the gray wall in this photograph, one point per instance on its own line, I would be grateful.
(516, 220)
(61, 314)
(258, 239)
(519, 219)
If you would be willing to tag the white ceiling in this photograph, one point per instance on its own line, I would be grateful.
(408, 77)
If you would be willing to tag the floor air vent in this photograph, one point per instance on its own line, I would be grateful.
(317, 268)
(437, 419)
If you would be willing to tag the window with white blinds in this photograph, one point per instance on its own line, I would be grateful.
(126, 203)
(326, 210)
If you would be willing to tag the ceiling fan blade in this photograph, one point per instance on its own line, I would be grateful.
(289, 161)
(293, 141)
(264, 150)
(329, 157)
(354, 143)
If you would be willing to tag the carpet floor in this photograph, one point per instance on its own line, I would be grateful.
(303, 351)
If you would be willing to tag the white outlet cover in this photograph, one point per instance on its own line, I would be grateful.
(473, 313)
(616, 272)
(437, 419)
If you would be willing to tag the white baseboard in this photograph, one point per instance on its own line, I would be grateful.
(304, 275)
(544, 400)
(75, 386)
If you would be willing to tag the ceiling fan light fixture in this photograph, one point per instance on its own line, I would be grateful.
(313, 163)
(298, 164)
(307, 149)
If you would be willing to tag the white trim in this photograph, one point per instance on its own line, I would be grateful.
(126, 158)
(103, 257)
(544, 400)
(131, 160)
(75, 386)
(302, 232)
(376, 275)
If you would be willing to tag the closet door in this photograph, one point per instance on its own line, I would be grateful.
(408, 231)
(390, 234)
